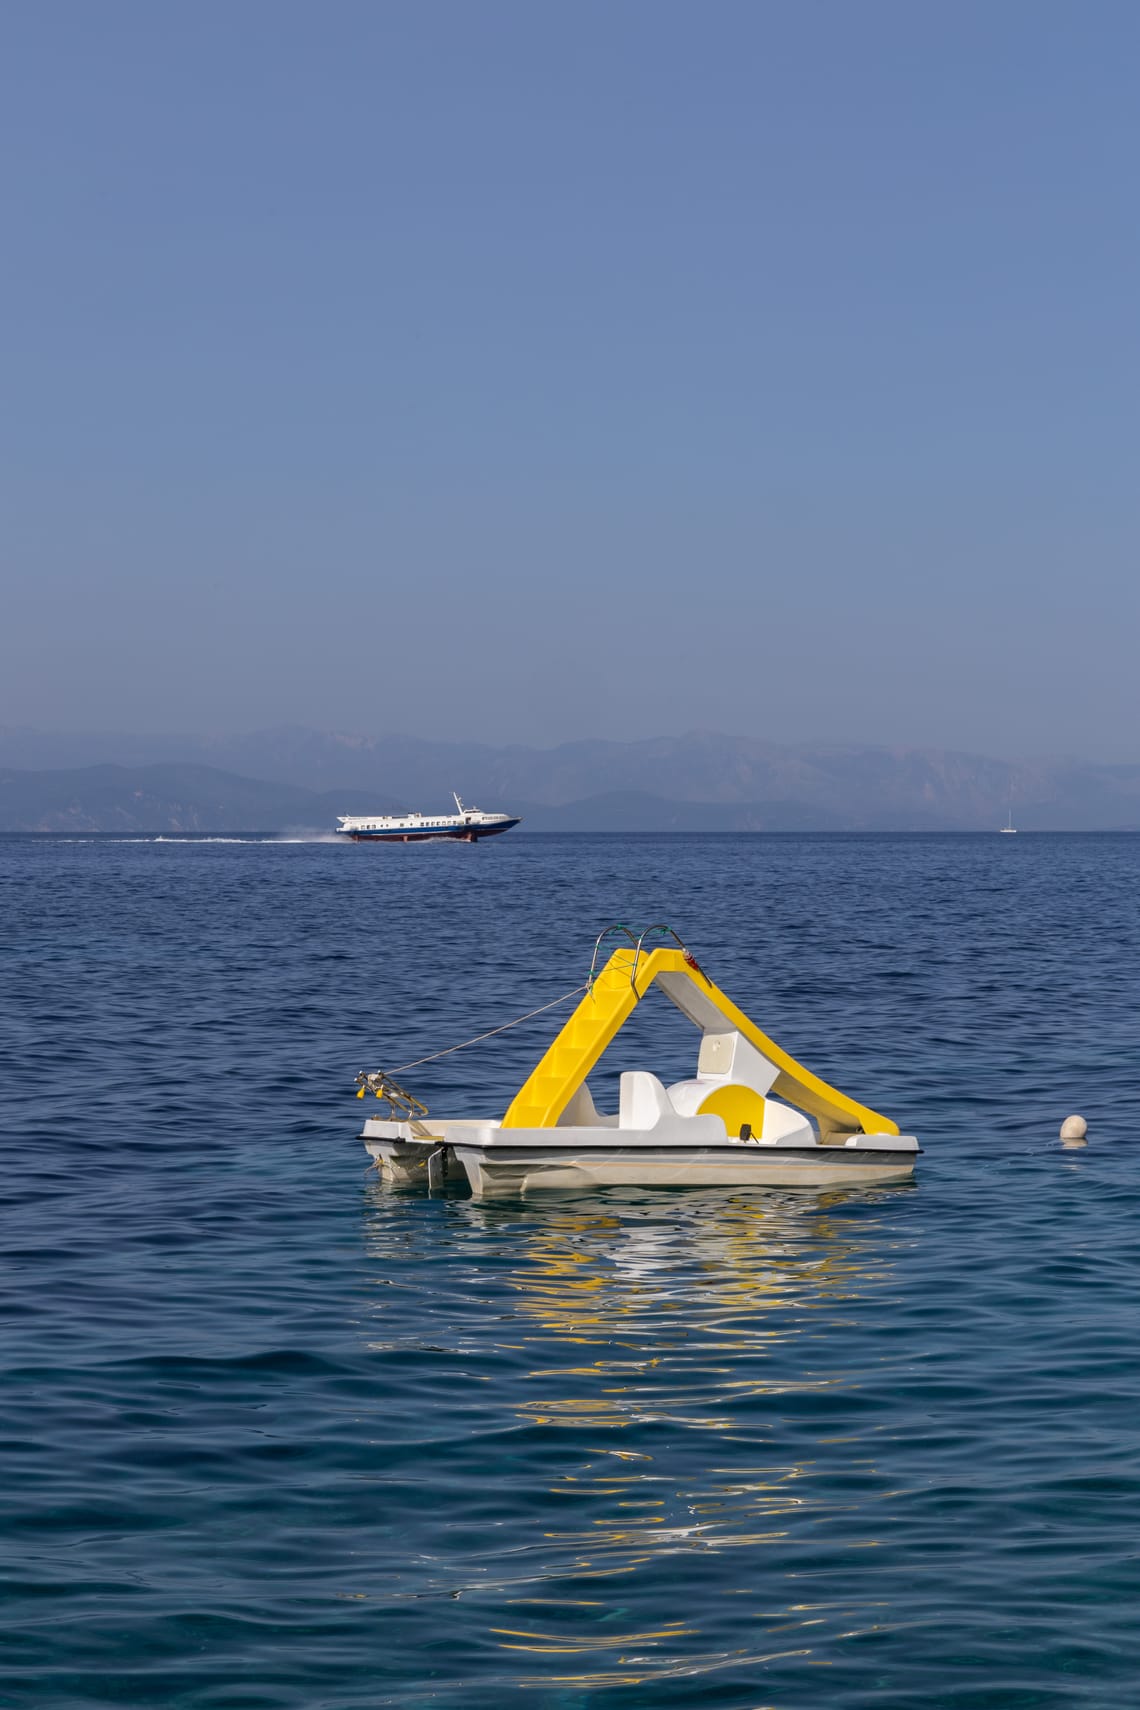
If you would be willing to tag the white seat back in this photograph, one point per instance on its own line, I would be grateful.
(725, 1059)
(729, 1057)
(643, 1101)
(582, 1112)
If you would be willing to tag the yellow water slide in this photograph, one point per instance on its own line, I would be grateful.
(613, 996)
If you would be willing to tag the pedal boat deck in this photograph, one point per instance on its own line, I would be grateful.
(751, 1115)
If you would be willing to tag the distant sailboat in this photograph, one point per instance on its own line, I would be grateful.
(1008, 829)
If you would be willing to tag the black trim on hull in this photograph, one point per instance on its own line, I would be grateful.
(535, 1154)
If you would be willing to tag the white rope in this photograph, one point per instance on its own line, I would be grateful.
(553, 1004)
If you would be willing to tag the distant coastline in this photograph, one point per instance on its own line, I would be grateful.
(704, 782)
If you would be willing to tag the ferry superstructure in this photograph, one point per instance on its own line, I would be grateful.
(466, 824)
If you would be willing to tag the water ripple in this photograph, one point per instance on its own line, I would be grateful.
(277, 1436)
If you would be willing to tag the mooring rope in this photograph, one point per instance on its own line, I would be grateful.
(490, 1034)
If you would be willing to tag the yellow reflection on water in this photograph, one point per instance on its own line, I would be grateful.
(726, 1276)
(667, 1319)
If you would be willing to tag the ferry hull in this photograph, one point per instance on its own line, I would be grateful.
(449, 834)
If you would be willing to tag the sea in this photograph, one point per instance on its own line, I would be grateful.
(275, 1435)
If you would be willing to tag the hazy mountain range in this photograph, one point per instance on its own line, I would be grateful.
(293, 777)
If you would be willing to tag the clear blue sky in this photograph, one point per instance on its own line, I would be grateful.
(528, 371)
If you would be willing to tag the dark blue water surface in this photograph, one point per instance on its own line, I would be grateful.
(277, 1437)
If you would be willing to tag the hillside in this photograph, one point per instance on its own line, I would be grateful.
(693, 783)
(163, 799)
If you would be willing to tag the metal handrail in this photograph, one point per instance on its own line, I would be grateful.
(665, 932)
(602, 936)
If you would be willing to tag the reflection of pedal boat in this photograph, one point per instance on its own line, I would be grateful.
(722, 1128)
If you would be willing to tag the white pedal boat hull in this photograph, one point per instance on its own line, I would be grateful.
(499, 1162)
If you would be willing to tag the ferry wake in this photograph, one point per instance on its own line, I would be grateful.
(467, 824)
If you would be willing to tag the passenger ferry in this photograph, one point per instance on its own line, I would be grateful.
(468, 824)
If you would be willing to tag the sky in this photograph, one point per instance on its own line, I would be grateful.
(532, 371)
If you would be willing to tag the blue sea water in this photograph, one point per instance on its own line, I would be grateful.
(274, 1436)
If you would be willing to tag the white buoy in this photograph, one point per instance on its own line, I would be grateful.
(1074, 1128)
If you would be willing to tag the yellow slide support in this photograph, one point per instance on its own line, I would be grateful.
(544, 1096)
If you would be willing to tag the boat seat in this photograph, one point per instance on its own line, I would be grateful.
(643, 1100)
(582, 1112)
(726, 1059)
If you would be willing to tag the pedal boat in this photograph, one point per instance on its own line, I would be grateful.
(750, 1116)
